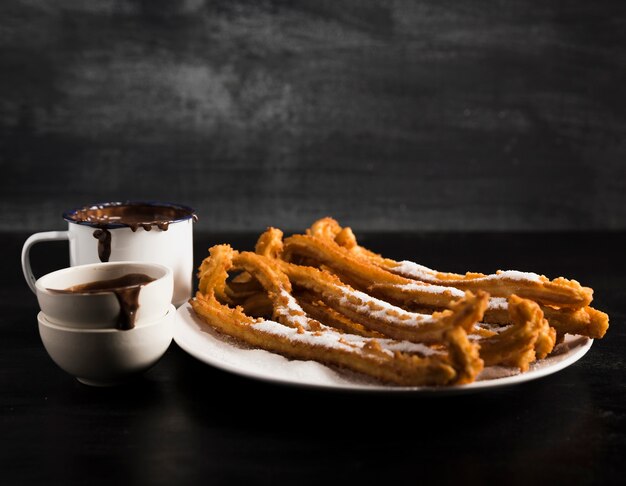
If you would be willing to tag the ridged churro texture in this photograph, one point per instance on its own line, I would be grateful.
(322, 296)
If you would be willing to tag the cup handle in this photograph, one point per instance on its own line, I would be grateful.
(32, 240)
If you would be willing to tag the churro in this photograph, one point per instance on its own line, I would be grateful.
(565, 303)
(324, 297)
(301, 337)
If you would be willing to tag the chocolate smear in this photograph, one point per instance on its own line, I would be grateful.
(126, 290)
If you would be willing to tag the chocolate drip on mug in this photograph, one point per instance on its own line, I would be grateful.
(133, 215)
(103, 236)
(126, 290)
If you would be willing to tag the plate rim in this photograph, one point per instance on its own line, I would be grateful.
(181, 327)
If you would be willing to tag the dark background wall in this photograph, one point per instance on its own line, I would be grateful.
(389, 115)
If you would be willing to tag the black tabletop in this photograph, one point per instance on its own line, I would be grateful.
(185, 422)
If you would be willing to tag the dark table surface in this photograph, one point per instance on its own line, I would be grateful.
(185, 422)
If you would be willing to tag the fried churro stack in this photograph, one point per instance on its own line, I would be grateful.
(322, 296)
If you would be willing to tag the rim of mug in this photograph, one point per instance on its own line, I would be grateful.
(67, 215)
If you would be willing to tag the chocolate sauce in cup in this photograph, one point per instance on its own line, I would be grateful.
(113, 295)
(125, 288)
(130, 230)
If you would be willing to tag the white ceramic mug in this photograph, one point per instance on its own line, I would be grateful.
(172, 247)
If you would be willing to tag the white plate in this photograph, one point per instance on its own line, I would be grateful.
(205, 344)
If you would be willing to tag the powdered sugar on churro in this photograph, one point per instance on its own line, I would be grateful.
(514, 275)
(293, 312)
(327, 338)
(415, 270)
(334, 340)
(409, 347)
(380, 309)
(327, 335)
(425, 274)
(431, 289)
(498, 303)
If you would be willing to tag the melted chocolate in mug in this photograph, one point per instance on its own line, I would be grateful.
(132, 215)
(126, 290)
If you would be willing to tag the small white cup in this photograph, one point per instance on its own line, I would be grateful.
(106, 357)
(173, 247)
(102, 310)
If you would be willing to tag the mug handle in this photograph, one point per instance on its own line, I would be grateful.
(32, 240)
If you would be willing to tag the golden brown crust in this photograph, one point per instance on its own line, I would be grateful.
(401, 369)
(559, 292)
(464, 355)
(587, 321)
(381, 316)
(270, 243)
(354, 352)
(336, 302)
(517, 345)
(318, 310)
(366, 275)
(564, 302)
